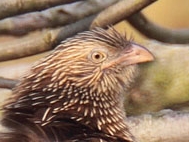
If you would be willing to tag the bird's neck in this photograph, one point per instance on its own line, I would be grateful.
(104, 113)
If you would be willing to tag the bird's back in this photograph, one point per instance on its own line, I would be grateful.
(16, 128)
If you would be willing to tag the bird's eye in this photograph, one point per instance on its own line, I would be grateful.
(98, 56)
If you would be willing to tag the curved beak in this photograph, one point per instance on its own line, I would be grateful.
(134, 55)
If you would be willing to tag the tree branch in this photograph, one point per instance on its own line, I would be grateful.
(41, 41)
(119, 12)
(47, 39)
(7, 83)
(151, 30)
(52, 17)
(15, 7)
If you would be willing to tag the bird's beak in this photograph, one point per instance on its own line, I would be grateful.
(136, 54)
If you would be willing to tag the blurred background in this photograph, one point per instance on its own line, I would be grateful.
(169, 13)
(173, 14)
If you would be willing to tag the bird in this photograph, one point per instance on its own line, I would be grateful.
(75, 94)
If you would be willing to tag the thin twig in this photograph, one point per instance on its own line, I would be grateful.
(119, 12)
(151, 30)
(15, 7)
(52, 17)
(41, 41)
(7, 83)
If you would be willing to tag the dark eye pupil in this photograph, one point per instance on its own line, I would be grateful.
(97, 56)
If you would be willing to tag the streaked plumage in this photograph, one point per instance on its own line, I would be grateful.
(75, 93)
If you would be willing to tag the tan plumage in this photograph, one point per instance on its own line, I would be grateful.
(75, 93)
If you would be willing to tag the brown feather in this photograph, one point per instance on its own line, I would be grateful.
(70, 97)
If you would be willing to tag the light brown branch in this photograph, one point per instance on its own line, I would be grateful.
(151, 30)
(119, 12)
(41, 41)
(14, 7)
(52, 17)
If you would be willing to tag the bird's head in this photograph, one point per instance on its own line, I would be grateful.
(99, 59)
(82, 79)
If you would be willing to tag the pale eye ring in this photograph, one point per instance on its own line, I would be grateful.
(98, 56)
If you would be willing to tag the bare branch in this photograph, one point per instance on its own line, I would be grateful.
(14, 7)
(41, 41)
(151, 30)
(119, 11)
(7, 83)
(52, 17)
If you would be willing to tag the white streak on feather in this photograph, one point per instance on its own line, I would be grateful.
(46, 113)
(86, 111)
